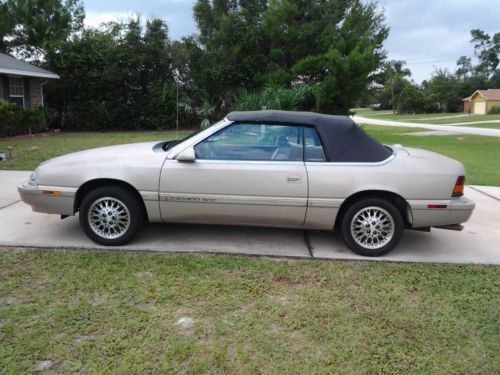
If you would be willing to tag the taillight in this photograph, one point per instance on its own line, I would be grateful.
(458, 190)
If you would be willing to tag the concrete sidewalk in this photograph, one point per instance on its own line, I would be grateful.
(478, 243)
(8, 186)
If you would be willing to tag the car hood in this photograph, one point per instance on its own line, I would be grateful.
(120, 152)
(138, 164)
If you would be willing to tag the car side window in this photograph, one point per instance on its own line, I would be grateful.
(313, 150)
(251, 141)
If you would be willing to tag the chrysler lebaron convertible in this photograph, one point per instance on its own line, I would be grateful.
(263, 168)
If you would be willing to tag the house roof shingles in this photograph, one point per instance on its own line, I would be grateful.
(10, 65)
(490, 94)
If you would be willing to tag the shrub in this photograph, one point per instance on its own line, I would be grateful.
(495, 110)
(15, 120)
(10, 118)
(411, 100)
(300, 97)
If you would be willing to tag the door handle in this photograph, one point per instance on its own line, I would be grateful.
(294, 179)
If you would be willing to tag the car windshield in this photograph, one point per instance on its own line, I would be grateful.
(168, 145)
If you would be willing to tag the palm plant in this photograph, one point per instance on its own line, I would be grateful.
(394, 72)
(277, 97)
(203, 112)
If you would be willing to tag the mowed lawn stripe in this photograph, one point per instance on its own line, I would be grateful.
(97, 312)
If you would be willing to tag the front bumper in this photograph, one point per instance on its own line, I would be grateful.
(48, 199)
(457, 211)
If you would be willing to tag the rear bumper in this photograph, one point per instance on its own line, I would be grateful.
(40, 200)
(457, 211)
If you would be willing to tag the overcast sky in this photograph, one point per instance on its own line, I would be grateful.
(428, 34)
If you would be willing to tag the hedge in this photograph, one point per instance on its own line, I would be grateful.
(15, 120)
(495, 110)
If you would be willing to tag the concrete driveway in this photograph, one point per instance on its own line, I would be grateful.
(478, 243)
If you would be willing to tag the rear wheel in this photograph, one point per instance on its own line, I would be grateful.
(111, 216)
(372, 227)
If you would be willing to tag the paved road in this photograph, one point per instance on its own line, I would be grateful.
(477, 243)
(449, 127)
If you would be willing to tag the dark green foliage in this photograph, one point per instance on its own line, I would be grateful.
(7, 23)
(301, 97)
(487, 49)
(10, 118)
(464, 64)
(233, 51)
(347, 55)
(394, 77)
(333, 45)
(444, 90)
(117, 78)
(37, 27)
(15, 120)
(325, 56)
(440, 94)
(411, 100)
(495, 110)
(126, 75)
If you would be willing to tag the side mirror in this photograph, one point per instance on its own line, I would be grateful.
(186, 155)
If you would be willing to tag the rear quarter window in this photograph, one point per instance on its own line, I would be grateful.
(313, 149)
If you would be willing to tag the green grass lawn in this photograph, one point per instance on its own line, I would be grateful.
(479, 154)
(29, 153)
(494, 125)
(102, 312)
(388, 115)
(465, 119)
(426, 118)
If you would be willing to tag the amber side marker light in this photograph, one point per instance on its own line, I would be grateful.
(458, 190)
(51, 192)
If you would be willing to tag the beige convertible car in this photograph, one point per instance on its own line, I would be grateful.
(264, 168)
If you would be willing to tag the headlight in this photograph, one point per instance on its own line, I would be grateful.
(33, 178)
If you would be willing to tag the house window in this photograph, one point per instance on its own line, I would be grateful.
(16, 90)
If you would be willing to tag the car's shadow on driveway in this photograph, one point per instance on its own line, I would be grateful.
(477, 243)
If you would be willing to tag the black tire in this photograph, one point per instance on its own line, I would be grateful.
(384, 207)
(116, 196)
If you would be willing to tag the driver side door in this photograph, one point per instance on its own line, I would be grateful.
(250, 174)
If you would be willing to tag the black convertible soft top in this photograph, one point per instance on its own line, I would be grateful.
(342, 139)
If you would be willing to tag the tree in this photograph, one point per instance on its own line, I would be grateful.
(411, 100)
(487, 49)
(444, 88)
(39, 26)
(464, 64)
(347, 48)
(393, 77)
(119, 77)
(494, 81)
(335, 45)
(234, 51)
(7, 24)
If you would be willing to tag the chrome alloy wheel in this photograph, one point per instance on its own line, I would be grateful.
(108, 217)
(372, 227)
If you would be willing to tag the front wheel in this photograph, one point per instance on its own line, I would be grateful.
(110, 216)
(372, 227)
